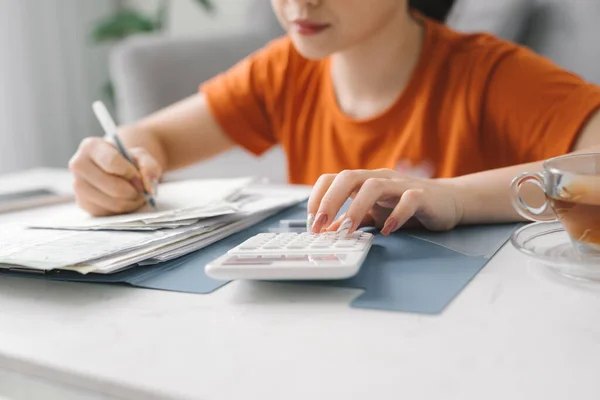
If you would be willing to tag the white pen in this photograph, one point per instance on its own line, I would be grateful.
(110, 130)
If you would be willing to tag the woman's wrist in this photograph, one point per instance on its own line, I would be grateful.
(139, 136)
(457, 190)
(482, 199)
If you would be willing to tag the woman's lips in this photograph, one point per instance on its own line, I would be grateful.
(308, 28)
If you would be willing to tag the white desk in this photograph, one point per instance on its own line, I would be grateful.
(514, 333)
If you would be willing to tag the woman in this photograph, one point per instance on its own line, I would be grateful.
(375, 100)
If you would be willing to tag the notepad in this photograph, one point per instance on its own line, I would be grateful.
(191, 215)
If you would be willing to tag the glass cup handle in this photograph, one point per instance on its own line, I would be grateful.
(526, 211)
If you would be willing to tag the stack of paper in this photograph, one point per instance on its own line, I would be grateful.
(190, 215)
(181, 204)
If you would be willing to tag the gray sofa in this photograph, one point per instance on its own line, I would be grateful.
(566, 31)
(152, 72)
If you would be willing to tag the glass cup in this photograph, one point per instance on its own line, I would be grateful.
(571, 185)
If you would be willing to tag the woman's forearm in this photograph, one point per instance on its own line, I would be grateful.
(139, 136)
(485, 196)
(179, 135)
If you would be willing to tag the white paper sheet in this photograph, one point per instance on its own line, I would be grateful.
(49, 249)
(176, 201)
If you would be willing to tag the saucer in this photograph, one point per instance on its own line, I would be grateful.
(549, 243)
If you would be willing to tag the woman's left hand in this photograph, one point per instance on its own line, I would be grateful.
(385, 199)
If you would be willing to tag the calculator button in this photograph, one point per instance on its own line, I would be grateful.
(320, 245)
(272, 256)
(288, 235)
(345, 243)
(324, 238)
(247, 257)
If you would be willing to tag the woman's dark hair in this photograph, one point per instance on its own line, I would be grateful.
(434, 9)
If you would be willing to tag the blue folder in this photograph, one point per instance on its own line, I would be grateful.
(412, 271)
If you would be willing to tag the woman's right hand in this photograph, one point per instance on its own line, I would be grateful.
(106, 183)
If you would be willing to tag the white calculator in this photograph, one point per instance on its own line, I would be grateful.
(294, 256)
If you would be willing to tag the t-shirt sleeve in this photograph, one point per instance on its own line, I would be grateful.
(243, 99)
(534, 107)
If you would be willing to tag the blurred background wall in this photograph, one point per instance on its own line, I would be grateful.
(187, 19)
(48, 74)
(51, 71)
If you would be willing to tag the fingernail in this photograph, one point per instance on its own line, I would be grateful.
(137, 183)
(310, 221)
(390, 226)
(320, 220)
(345, 226)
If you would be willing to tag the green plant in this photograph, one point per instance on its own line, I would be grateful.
(127, 21)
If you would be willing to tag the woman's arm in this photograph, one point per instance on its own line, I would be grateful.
(106, 183)
(388, 199)
(231, 108)
(179, 135)
(485, 195)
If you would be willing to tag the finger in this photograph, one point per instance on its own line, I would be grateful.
(343, 185)
(371, 191)
(368, 220)
(149, 168)
(109, 159)
(114, 186)
(412, 223)
(101, 201)
(317, 193)
(410, 203)
(336, 224)
(91, 208)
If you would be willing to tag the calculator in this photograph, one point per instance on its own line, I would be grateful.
(294, 256)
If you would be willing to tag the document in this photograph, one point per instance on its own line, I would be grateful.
(178, 204)
(192, 215)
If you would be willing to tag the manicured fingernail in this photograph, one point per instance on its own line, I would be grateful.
(320, 220)
(391, 225)
(310, 220)
(138, 184)
(345, 226)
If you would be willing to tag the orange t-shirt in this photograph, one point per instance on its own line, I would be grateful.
(474, 103)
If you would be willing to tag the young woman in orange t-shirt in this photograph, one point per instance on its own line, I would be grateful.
(373, 100)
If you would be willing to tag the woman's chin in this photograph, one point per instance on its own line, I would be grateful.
(310, 50)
